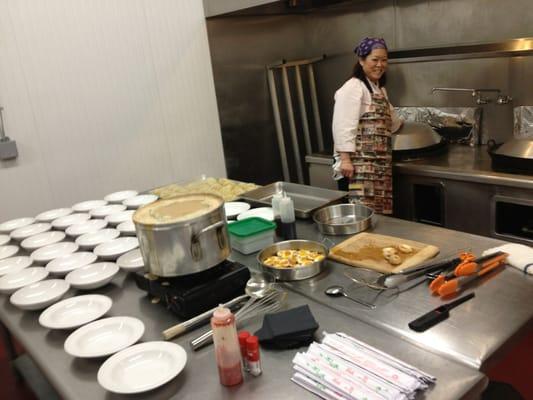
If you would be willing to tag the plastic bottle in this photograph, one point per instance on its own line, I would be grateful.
(288, 220)
(227, 350)
(276, 199)
(253, 356)
(243, 335)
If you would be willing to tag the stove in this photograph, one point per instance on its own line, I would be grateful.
(190, 295)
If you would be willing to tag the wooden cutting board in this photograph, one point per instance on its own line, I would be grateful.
(365, 250)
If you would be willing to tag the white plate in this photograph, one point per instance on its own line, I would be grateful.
(14, 264)
(42, 239)
(48, 253)
(119, 197)
(68, 220)
(117, 218)
(92, 276)
(140, 200)
(104, 337)
(93, 239)
(4, 239)
(39, 295)
(234, 208)
(115, 248)
(92, 225)
(64, 264)
(8, 250)
(8, 226)
(10, 283)
(131, 261)
(30, 230)
(127, 228)
(86, 206)
(261, 212)
(75, 311)
(142, 367)
(104, 211)
(50, 215)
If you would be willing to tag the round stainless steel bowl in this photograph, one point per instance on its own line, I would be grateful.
(343, 219)
(293, 273)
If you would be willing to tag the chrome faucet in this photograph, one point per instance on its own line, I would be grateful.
(478, 94)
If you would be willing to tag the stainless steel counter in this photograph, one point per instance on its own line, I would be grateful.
(76, 378)
(475, 332)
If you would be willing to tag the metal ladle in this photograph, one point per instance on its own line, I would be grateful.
(337, 291)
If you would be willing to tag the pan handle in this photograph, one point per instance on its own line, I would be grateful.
(196, 249)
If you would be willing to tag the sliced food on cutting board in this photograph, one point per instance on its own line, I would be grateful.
(382, 253)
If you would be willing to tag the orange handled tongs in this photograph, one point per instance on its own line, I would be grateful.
(467, 271)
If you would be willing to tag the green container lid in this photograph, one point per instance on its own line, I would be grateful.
(250, 226)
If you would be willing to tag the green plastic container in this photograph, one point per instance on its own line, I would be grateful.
(251, 234)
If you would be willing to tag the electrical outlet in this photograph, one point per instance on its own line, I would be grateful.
(8, 149)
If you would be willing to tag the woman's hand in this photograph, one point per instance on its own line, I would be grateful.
(347, 168)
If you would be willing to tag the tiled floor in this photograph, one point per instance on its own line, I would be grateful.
(516, 368)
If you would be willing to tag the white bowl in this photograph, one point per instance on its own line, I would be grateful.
(234, 208)
(131, 261)
(104, 337)
(30, 230)
(42, 239)
(68, 220)
(50, 215)
(39, 295)
(127, 228)
(10, 283)
(118, 218)
(75, 311)
(142, 367)
(4, 239)
(69, 262)
(140, 200)
(92, 225)
(93, 239)
(115, 248)
(14, 264)
(8, 250)
(262, 212)
(48, 253)
(86, 206)
(104, 211)
(119, 197)
(92, 276)
(11, 225)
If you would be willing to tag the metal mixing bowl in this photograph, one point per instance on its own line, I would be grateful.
(293, 273)
(343, 219)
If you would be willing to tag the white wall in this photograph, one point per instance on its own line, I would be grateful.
(103, 95)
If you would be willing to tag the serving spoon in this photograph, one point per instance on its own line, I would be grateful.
(338, 291)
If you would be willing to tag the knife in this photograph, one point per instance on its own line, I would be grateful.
(437, 315)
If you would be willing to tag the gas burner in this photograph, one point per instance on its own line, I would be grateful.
(190, 295)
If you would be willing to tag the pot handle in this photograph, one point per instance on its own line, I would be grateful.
(196, 249)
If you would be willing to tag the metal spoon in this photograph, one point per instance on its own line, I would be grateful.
(337, 291)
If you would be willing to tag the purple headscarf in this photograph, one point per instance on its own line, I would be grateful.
(368, 44)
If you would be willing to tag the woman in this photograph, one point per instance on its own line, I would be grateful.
(363, 121)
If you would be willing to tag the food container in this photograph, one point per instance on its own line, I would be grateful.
(343, 219)
(293, 273)
(251, 234)
(182, 235)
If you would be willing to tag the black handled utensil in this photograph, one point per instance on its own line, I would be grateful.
(437, 315)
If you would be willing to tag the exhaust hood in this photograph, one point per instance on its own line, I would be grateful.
(266, 7)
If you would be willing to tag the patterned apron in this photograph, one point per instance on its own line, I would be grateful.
(371, 183)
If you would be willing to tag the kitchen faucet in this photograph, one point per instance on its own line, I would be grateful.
(478, 94)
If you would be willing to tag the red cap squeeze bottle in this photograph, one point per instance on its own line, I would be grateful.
(243, 335)
(252, 355)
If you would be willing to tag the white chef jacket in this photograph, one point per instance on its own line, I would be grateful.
(352, 100)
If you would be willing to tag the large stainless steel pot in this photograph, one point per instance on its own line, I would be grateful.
(187, 246)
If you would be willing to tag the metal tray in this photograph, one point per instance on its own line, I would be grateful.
(307, 199)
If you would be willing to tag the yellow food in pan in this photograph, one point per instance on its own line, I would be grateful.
(293, 258)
